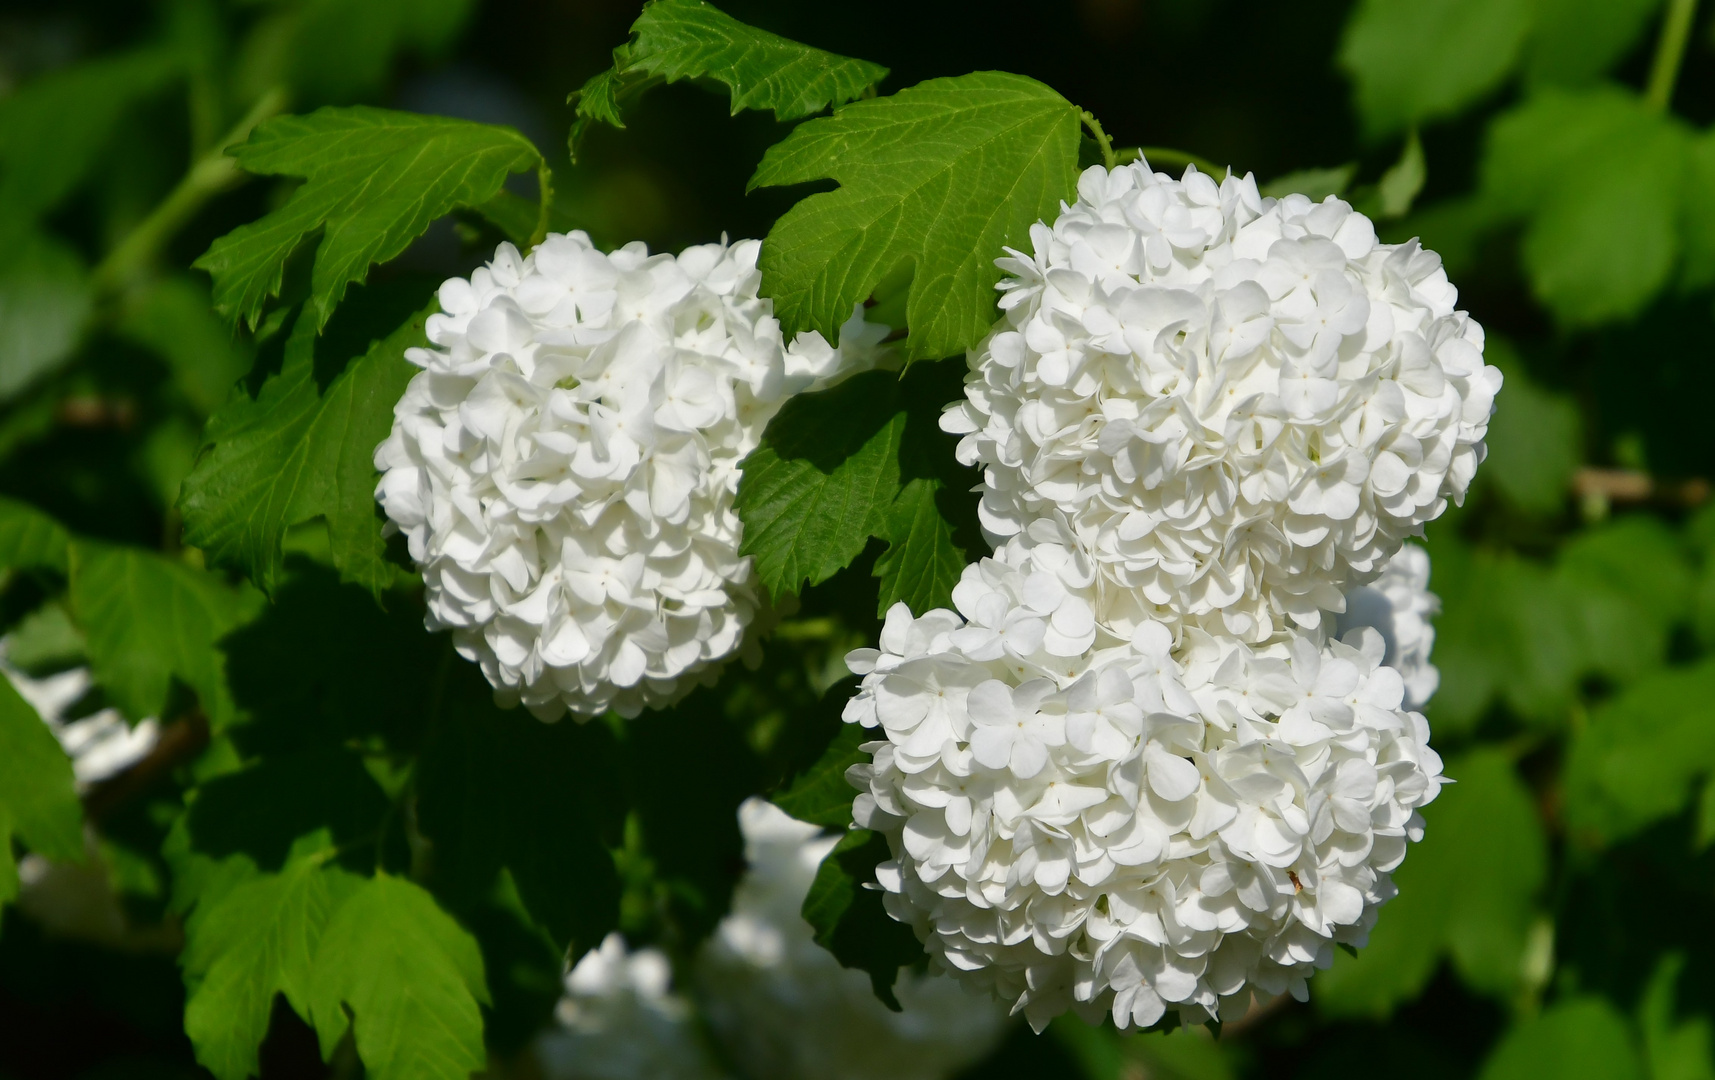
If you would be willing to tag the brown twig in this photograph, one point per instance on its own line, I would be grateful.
(1634, 486)
(180, 741)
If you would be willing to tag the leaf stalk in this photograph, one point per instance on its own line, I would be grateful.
(1669, 53)
(1109, 159)
(212, 174)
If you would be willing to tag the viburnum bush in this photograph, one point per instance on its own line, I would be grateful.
(980, 597)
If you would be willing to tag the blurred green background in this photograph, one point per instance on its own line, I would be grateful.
(1557, 154)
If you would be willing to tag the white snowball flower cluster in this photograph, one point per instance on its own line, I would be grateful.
(1138, 827)
(778, 1006)
(1144, 766)
(1399, 605)
(565, 464)
(784, 1008)
(1238, 405)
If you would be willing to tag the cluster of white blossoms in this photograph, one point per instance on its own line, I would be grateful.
(1239, 406)
(565, 464)
(1145, 766)
(1139, 826)
(778, 1005)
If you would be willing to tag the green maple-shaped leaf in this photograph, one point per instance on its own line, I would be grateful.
(827, 478)
(374, 181)
(147, 620)
(689, 39)
(258, 939)
(943, 176)
(412, 980)
(822, 481)
(295, 452)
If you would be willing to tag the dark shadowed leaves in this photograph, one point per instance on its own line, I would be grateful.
(303, 448)
(845, 908)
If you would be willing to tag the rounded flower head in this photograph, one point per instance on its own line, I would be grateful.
(1139, 827)
(564, 466)
(784, 1008)
(1399, 605)
(1239, 406)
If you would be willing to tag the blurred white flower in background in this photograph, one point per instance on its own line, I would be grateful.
(1400, 605)
(620, 1020)
(776, 1005)
(81, 900)
(783, 1007)
(100, 745)
(565, 464)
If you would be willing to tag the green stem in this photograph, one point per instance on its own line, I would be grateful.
(545, 187)
(1101, 138)
(213, 173)
(1669, 52)
(1162, 155)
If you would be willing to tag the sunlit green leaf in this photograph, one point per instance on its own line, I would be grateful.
(374, 181)
(256, 940)
(38, 796)
(822, 482)
(942, 175)
(1598, 178)
(1636, 759)
(412, 979)
(690, 39)
(30, 539)
(821, 794)
(45, 303)
(921, 564)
